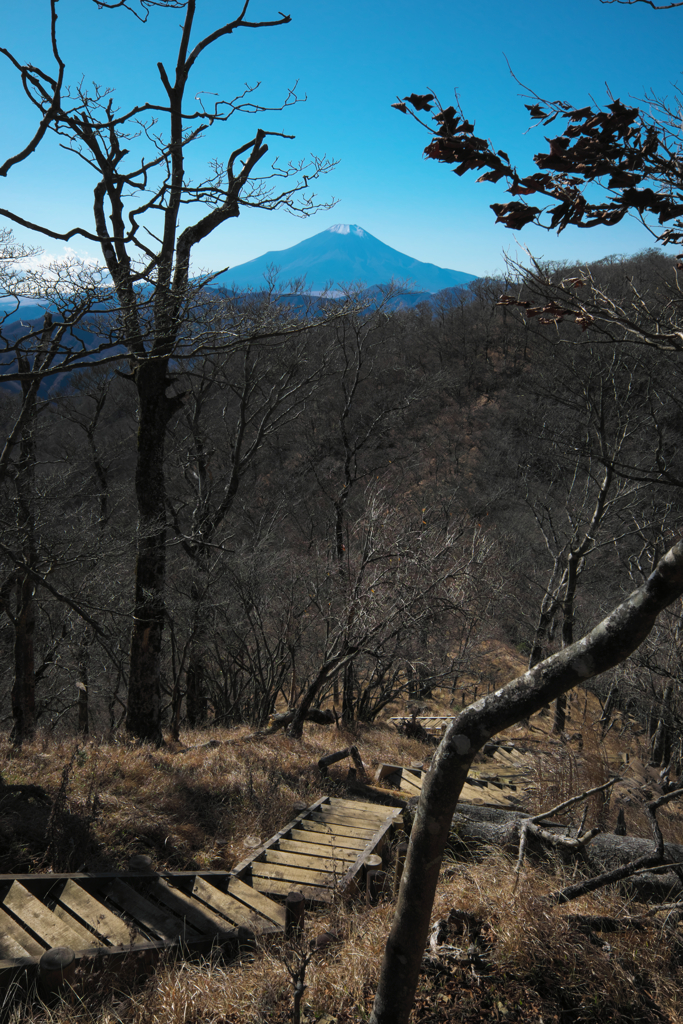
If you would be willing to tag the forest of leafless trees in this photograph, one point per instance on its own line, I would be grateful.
(353, 511)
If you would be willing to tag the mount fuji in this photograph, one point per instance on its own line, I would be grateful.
(342, 255)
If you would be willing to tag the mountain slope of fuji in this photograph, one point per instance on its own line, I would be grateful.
(342, 255)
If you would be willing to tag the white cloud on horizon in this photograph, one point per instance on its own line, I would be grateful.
(67, 257)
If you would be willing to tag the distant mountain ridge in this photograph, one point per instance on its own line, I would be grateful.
(343, 254)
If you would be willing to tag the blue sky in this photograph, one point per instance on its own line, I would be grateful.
(351, 60)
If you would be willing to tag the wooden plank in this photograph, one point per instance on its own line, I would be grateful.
(10, 949)
(376, 843)
(347, 801)
(287, 873)
(337, 828)
(365, 818)
(147, 915)
(227, 906)
(46, 925)
(200, 917)
(302, 860)
(482, 796)
(244, 865)
(315, 893)
(12, 935)
(410, 784)
(79, 908)
(335, 820)
(399, 769)
(346, 817)
(345, 837)
(359, 807)
(91, 912)
(503, 757)
(317, 850)
(87, 937)
(313, 853)
(354, 820)
(257, 901)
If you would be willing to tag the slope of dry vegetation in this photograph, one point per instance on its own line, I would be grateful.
(201, 803)
(188, 806)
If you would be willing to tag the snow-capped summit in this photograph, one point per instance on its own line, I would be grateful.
(343, 254)
(347, 229)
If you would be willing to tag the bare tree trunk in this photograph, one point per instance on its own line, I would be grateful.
(545, 619)
(24, 686)
(609, 705)
(143, 715)
(195, 689)
(83, 717)
(661, 744)
(348, 690)
(608, 644)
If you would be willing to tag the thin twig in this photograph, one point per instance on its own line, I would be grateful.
(576, 799)
(569, 842)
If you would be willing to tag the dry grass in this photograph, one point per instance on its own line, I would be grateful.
(539, 966)
(189, 811)
(195, 809)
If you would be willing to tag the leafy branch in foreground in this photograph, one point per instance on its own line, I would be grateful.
(633, 155)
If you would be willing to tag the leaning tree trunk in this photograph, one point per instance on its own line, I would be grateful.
(143, 714)
(608, 644)
(327, 671)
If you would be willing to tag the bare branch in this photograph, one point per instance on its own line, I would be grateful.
(650, 3)
(52, 110)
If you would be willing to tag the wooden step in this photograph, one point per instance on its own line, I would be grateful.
(153, 919)
(46, 925)
(75, 900)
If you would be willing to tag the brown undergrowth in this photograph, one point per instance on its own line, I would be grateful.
(189, 806)
(534, 965)
(201, 808)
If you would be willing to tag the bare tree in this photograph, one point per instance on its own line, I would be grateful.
(235, 405)
(405, 568)
(351, 435)
(605, 646)
(141, 203)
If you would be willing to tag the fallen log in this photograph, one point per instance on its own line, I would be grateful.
(282, 719)
(476, 829)
(339, 755)
(654, 858)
